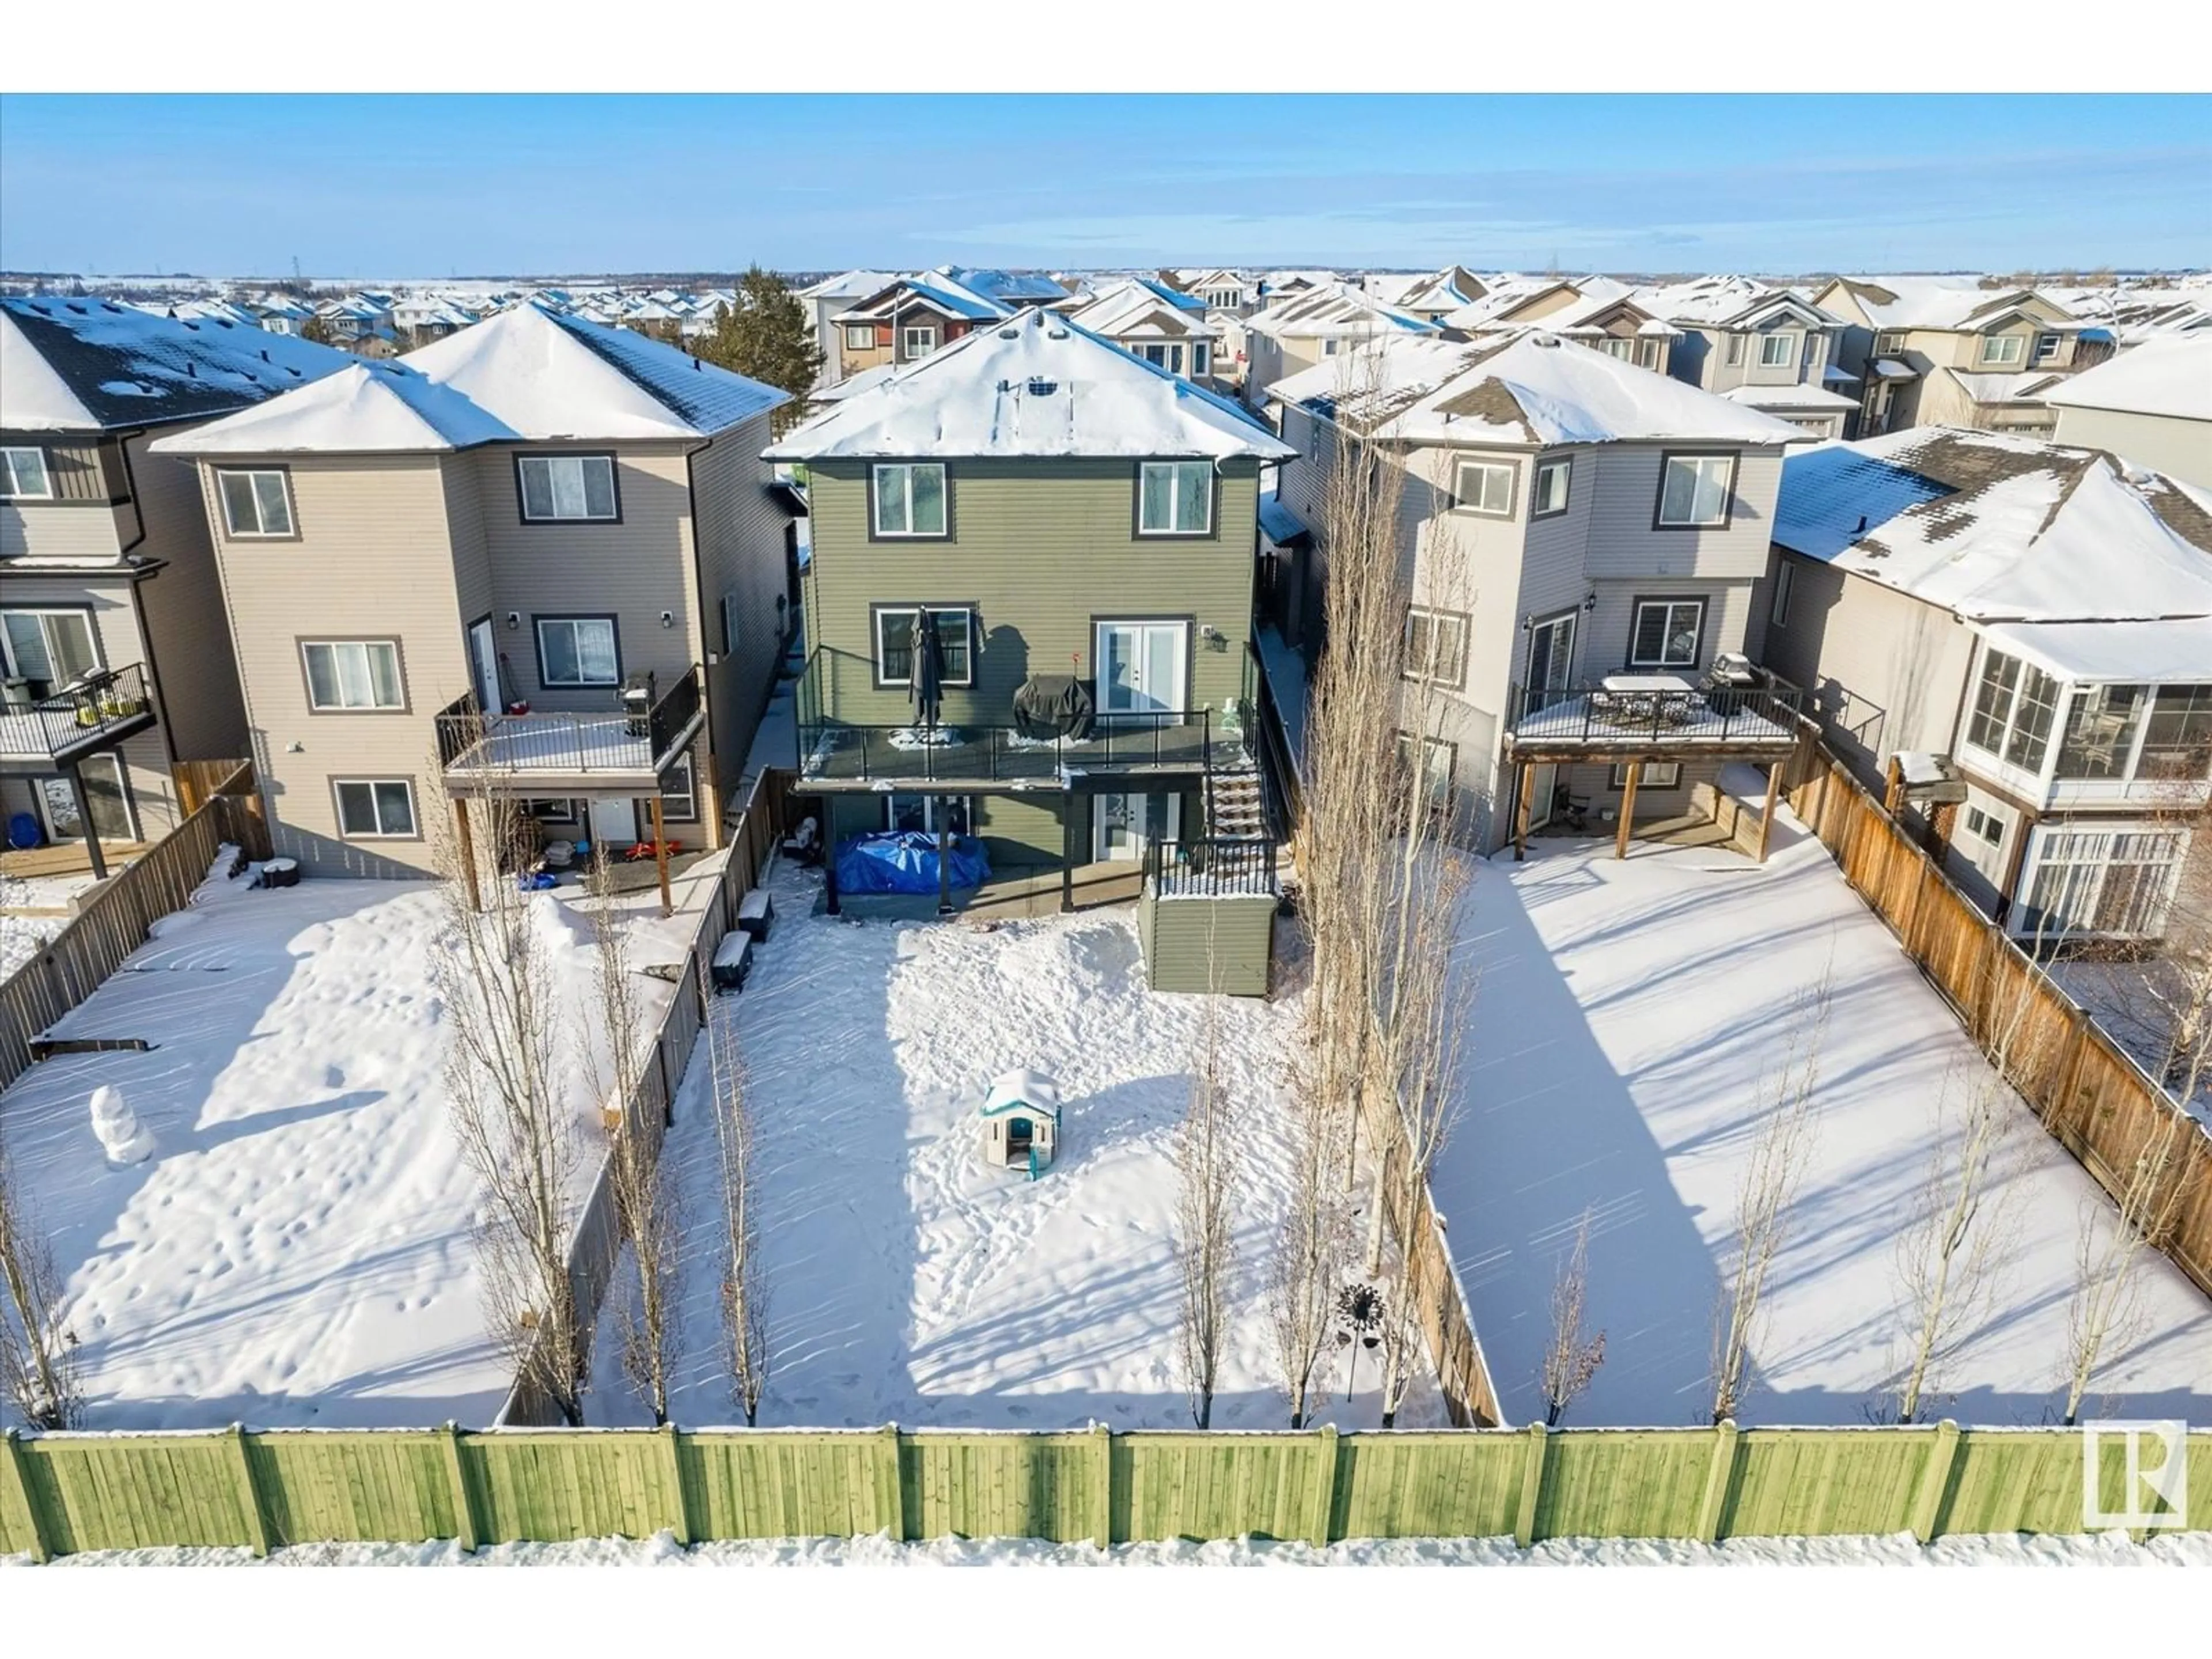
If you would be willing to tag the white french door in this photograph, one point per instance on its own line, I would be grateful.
(1543, 784)
(1123, 826)
(1552, 653)
(1142, 666)
(483, 666)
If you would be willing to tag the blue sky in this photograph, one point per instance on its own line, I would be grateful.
(433, 186)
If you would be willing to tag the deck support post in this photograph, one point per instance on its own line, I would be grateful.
(1067, 854)
(1773, 798)
(91, 829)
(466, 846)
(1627, 810)
(1523, 775)
(944, 856)
(829, 855)
(660, 855)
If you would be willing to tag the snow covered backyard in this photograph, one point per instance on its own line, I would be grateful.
(908, 1282)
(1627, 1011)
(297, 1248)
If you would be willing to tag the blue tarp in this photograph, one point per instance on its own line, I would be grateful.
(894, 861)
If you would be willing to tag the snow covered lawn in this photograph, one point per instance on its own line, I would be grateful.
(297, 1249)
(22, 934)
(1625, 1013)
(910, 1283)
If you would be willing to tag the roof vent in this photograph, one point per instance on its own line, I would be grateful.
(1011, 333)
(191, 370)
(265, 354)
(1550, 342)
(1004, 386)
(1055, 332)
(1040, 387)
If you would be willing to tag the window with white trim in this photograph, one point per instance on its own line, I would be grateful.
(918, 340)
(1201, 357)
(557, 489)
(2015, 704)
(1436, 647)
(1549, 496)
(1648, 354)
(1162, 354)
(2177, 739)
(2046, 347)
(1175, 498)
(375, 809)
(1668, 633)
(921, 814)
(1735, 348)
(577, 651)
(860, 336)
(49, 648)
(1657, 774)
(1777, 350)
(1889, 343)
(2114, 884)
(1484, 487)
(1785, 580)
(551, 811)
(2003, 350)
(910, 498)
(1816, 353)
(353, 675)
(1614, 345)
(256, 503)
(1985, 826)
(23, 475)
(956, 633)
(1328, 348)
(1439, 759)
(679, 799)
(1694, 491)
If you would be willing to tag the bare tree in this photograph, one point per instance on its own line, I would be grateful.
(1310, 1249)
(510, 1112)
(37, 1352)
(1206, 1152)
(744, 1298)
(1571, 1357)
(644, 1203)
(2106, 1313)
(1769, 1182)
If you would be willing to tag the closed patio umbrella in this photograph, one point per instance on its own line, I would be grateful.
(928, 670)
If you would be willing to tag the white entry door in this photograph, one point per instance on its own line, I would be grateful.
(614, 822)
(1141, 666)
(1543, 784)
(1123, 826)
(483, 666)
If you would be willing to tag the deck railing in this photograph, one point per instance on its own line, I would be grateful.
(1211, 868)
(567, 740)
(1596, 716)
(1176, 738)
(99, 708)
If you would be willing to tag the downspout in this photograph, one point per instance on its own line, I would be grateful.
(699, 604)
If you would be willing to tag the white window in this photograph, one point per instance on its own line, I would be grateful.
(1777, 350)
(2046, 347)
(1175, 498)
(910, 499)
(679, 800)
(551, 811)
(1551, 493)
(23, 476)
(353, 674)
(1816, 353)
(2015, 704)
(1201, 357)
(375, 809)
(1439, 760)
(1735, 348)
(1436, 647)
(860, 336)
(577, 651)
(2111, 883)
(1889, 343)
(1484, 487)
(256, 503)
(2004, 349)
(49, 648)
(1668, 633)
(1647, 353)
(1985, 826)
(920, 340)
(1328, 348)
(1785, 578)
(955, 627)
(1694, 490)
(1657, 774)
(1614, 346)
(566, 487)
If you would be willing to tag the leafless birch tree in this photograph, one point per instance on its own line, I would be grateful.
(37, 1352)
(643, 1197)
(744, 1299)
(1779, 1153)
(1310, 1249)
(1206, 1152)
(1571, 1357)
(504, 1077)
(2106, 1313)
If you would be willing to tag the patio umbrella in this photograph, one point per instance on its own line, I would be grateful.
(928, 670)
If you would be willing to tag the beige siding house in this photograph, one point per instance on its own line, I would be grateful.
(2152, 403)
(1753, 343)
(542, 557)
(115, 660)
(1316, 325)
(1949, 351)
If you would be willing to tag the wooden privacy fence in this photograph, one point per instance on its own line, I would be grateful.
(2089, 1093)
(116, 919)
(596, 1246)
(64, 1493)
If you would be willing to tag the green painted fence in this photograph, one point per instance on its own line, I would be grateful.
(61, 1493)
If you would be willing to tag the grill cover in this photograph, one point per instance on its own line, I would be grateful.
(1053, 706)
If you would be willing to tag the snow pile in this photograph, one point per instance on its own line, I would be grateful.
(116, 1127)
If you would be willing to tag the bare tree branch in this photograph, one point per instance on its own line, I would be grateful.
(744, 1299)
(1570, 1358)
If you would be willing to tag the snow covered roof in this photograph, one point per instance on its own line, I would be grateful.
(1990, 387)
(1023, 1087)
(2165, 652)
(1335, 310)
(1992, 526)
(1939, 302)
(851, 285)
(1532, 387)
(1136, 306)
(2170, 377)
(92, 366)
(1007, 288)
(1726, 302)
(2133, 314)
(1037, 385)
(1280, 525)
(371, 407)
(1788, 396)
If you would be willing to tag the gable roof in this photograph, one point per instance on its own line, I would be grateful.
(1530, 387)
(1333, 310)
(1995, 527)
(372, 408)
(92, 366)
(1726, 302)
(1949, 303)
(1037, 385)
(2170, 377)
(1137, 307)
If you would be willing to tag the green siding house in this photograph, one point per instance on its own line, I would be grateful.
(1081, 529)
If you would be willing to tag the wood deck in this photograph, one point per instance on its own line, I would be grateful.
(68, 858)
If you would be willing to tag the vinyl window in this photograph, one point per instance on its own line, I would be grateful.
(1175, 498)
(1436, 647)
(1160, 354)
(375, 809)
(1551, 491)
(2016, 703)
(920, 340)
(1439, 759)
(565, 487)
(1484, 487)
(49, 648)
(2046, 347)
(860, 336)
(23, 475)
(353, 674)
(2003, 349)
(1785, 581)
(576, 651)
(895, 643)
(910, 499)
(1694, 491)
(1657, 774)
(1777, 350)
(256, 503)
(1668, 633)
(1734, 349)
(1201, 357)
(679, 799)
(2115, 883)
(2177, 737)
(1987, 825)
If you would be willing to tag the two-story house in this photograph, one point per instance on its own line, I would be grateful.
(823, 301)
(1948, 352)
(2152, 403)
(1315, 325)
(2035, 621)
(1431, 296)
(1077, 530)
(115, 662)
(1582, 539)
(909, 317)
(541, 558)
(1148, 320)
(1753, 342)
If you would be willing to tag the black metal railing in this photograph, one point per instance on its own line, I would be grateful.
(93, 709)
(1212, 869)
(678, 708)
(1595, 715)
(1282, 787)
(566, 740)
(1172, 739)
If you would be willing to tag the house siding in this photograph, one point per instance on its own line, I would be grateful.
(181, 613)
(743, 543)
(2180, 448)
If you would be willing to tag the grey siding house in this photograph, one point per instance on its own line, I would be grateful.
(1754, 344)
(1073, 524)
(115, 657)
(541, 557)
